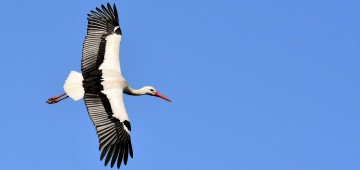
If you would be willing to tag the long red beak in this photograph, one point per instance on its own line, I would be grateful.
(157, 94)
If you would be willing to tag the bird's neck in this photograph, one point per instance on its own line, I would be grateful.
(130, 91)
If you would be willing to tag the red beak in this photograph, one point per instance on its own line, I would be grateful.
(157, 94)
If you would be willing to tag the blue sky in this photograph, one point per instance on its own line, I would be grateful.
(256, 84)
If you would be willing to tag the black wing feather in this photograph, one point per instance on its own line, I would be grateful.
(130, 148)
(126, 155)
(110, 154)
(116, 154)
(120, 156)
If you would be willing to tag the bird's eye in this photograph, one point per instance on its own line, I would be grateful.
(151, 89)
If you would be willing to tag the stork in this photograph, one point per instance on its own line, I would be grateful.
(102, 85)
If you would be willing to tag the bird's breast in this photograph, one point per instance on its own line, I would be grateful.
(112, 79)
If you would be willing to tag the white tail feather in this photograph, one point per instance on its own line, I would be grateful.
(73, 86)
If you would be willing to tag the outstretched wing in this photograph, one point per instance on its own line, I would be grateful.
(113, 133)
(102, 42)
(103, 86)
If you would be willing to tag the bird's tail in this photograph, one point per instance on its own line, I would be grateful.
(73, 85)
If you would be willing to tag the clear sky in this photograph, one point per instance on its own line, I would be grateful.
(255, 84)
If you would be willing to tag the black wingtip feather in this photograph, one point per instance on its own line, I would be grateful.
(130, 148)
(103, 153)
(115, 156)
(120, 156)
(105, 11)
(115, 12)
(109, 6)
(126, 154)
(94, 12)
(111, 11)
(110, 154)
(98, 10)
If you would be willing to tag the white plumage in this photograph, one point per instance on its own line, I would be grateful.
(73, 86)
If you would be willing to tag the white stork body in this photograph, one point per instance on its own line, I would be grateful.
(102, 85)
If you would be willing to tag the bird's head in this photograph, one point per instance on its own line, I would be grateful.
(152, 92)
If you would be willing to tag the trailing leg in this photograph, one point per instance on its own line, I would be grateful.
(57, 99)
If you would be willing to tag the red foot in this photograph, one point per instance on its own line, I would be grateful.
(52, 100)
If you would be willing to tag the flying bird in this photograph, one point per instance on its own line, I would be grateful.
(102, 85)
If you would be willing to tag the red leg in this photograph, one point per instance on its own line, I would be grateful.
(56, 99)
